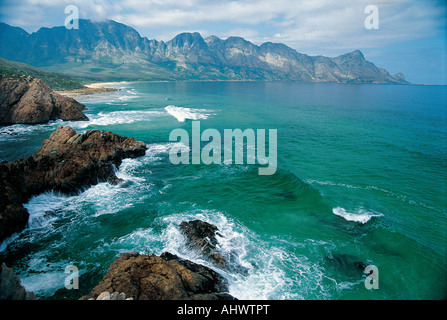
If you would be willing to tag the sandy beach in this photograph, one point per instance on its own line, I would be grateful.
(91, 88)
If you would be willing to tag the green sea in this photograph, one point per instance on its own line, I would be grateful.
(360, 180)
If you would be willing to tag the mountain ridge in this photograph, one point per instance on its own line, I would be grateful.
(109, 50)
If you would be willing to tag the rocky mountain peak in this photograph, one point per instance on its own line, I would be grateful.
(119, 51)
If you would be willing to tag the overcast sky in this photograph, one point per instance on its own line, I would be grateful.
(411, 37)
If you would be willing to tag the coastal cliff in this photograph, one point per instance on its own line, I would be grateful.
(28, 100)
(66, 162)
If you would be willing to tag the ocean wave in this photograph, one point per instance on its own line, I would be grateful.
(44, 278)
(127, 97)
(181, 113)
(102, 198)
(121, 117)
(23, 131)
(361, 216)
(393, 194)
(330, 183)
(273, 272)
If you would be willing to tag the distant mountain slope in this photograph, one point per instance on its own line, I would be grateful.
(110, 50)
(55, 81)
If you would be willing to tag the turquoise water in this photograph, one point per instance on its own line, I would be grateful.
(361, 178)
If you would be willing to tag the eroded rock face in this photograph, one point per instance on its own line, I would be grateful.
(11, 287)
(30, 101)
(66, 162)
(164, 277)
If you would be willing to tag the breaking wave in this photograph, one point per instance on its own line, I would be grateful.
(181, 114)
(361, 216)
(121, 117)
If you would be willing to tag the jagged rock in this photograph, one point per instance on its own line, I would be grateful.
(201, 236)
(185, 57)
(61, 166)
(11, 287)
(30, 101)
(164, 277)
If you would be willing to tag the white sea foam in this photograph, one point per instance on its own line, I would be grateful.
(121, 117)
(361, 216)
(45, 283)
(45, 277)
(46, 208)
(330, 183)
(159, 151)
(21, 132)
(127, 97)
(103, 198)
(181, 113)
(272, 272)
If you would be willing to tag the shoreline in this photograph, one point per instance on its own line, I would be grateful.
(101, 87)
(91, 88)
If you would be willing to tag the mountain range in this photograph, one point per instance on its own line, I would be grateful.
(109, 50)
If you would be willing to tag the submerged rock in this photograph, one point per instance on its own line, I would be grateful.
(164, 277)
(30, 101)
(61, 165)
(346, 266)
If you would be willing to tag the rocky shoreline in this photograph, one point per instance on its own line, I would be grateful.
(91, 89)
(132, 276)
(66, 162)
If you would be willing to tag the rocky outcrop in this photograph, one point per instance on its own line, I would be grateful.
(66, 162)
(201, 237)
(11, 287)
(164, 277)
(29, 100)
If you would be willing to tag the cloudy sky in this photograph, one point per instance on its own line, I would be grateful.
(411, 37)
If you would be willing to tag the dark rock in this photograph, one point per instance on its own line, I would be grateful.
(114, 180)
(346, 265)
(288, 195)
(11, 287)
(30, 101)
(60, 165)
(164, 277)
(201, 236)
